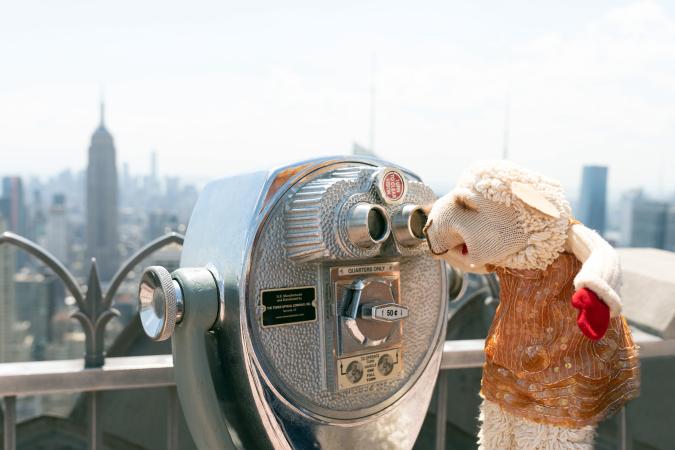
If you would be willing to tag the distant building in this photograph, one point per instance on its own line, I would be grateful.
(592, 208)
(643, 222)
(669, 238)
(102, 202)
(38, 219)
(57, 237)
(13, 206)
(35, 308)
(8, 341)
(160, 223)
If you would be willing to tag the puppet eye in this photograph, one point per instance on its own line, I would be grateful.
(465, 203)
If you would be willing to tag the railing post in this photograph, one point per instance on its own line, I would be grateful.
(623, 429)
(9, 426)
(94, 432)
(441, 408)
(172, 419)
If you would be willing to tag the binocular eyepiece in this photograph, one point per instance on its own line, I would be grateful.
(369, 225)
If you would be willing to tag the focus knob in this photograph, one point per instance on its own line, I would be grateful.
(161, 303)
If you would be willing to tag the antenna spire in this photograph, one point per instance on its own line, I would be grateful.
(507, 108)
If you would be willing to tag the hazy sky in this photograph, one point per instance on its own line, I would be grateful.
(217, 87)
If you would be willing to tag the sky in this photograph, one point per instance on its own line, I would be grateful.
(218, 87)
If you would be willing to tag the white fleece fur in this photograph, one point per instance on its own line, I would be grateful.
(600, 270)
(547, 235)
(503, 431)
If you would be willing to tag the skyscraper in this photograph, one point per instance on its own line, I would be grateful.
(57, 239)
(14, 205)
(7, 300)
(593, 198)
(643, 221)
(13, 208)
(102, 203)
(669, 235)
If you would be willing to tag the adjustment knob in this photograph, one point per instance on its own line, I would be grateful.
(160, 303)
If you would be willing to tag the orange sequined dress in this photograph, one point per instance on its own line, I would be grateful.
(538, 363)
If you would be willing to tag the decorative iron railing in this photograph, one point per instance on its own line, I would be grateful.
(94, 311)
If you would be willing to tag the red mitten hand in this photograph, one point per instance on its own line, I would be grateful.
(593, 318)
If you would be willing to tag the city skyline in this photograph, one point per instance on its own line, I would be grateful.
(586, 86)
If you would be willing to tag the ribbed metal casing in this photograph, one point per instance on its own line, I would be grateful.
(306, 214)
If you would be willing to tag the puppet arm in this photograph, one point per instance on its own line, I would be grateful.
(598, 281)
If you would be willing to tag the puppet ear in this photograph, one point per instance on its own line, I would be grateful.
(531, 197)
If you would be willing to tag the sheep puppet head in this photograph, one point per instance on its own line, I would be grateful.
(502, 215)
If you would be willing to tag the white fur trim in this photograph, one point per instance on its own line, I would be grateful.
(496, 430)
(600, 269)
(547, 235)
(530, 435)
(501, 430)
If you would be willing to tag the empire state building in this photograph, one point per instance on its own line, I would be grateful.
(102, 206)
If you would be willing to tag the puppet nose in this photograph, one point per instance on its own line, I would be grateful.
(427, 231)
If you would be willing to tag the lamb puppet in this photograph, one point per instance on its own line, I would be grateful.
(559, 356)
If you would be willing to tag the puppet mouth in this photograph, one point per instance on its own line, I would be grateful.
(462, 248)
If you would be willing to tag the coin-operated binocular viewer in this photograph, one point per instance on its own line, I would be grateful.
(307, 312)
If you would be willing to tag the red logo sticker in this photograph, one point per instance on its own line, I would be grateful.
(393, 186)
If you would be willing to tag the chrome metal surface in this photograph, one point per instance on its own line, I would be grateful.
(457, 283)
(407, 225)
(180, 302)
(241, 222)
(373, 284)
(227, 254)
(158, 298)
(368, 225)
(353, 292)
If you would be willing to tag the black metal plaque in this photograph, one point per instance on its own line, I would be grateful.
(288, 305)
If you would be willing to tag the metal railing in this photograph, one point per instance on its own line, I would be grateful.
(94, 311)
(143, 372)
(68, 376)
(95, 373)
